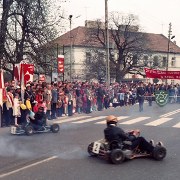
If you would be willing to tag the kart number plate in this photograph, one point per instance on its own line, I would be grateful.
(13, 130)
(96, 147)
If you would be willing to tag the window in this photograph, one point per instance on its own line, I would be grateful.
(155, 61)
(146, 60)
(164, 62)
(173, 62)
(88, 57)
(101, 56)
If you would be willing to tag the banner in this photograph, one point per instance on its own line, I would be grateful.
(152, 73)
(60, 62)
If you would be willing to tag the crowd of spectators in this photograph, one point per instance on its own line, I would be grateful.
(65, 98)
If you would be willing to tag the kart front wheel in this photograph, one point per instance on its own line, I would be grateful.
(117, 156)
(55, 128)
(29, 130)
(159, 153)
(89, 149)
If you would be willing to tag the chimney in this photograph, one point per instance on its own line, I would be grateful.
(94, 24)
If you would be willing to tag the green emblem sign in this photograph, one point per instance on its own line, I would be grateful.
(161, 98)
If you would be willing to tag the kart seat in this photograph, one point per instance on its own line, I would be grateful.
(115, 144)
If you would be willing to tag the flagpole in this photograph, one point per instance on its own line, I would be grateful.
(22, 84)
(1, 94)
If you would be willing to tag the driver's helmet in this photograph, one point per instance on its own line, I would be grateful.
(111, 120)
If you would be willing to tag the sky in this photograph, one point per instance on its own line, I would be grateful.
(154, 15)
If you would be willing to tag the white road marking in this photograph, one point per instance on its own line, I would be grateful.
(89, 120)
(170, 113)
(119, 118)
(158, 122)
(177, 125)
(71, 119)
(28, 166)
(133, 121)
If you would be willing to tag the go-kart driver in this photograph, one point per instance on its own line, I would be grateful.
(39, 120)
(112, 132)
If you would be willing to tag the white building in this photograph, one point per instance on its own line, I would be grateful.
(75, 47)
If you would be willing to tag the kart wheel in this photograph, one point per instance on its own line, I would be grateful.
(55, 128)
(117, 156)
(159, 153)
(89, 149)
(29, 130)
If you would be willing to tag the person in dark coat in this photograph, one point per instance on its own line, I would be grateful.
(140, 95)
(113, 132)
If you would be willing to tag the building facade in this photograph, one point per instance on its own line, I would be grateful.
(76, 49)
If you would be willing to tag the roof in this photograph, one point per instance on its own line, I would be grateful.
(156, 42)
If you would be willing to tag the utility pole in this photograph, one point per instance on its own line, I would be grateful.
(70, 21)
(107, 43)
(168, 50)
(64, 62)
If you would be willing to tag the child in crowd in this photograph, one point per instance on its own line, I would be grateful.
(16, 109)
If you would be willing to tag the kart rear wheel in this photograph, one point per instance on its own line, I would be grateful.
(55, 128)
(159, 153)
(117, 156)
(89, 149)
(29, 130)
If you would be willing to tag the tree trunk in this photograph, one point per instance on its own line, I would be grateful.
(3, 26)
(119, 75)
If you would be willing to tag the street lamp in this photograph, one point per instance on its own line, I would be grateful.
(70, 21)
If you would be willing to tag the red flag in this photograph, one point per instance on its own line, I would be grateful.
(60, 63)
(28, 72)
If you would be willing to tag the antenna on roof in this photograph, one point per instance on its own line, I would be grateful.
(86, 11)
(162, 26)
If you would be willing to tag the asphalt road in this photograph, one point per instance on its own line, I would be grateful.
(63, 156)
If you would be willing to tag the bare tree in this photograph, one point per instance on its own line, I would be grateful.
(26, 25)
(95, 64)
(127, 44)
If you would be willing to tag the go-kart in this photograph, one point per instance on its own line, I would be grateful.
(116, 152)
(30, 128)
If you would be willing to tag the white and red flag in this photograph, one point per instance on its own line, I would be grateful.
(60, 62)
(28, 72)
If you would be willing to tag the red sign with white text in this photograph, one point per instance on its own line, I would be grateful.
(60, 62)
(152, 73)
